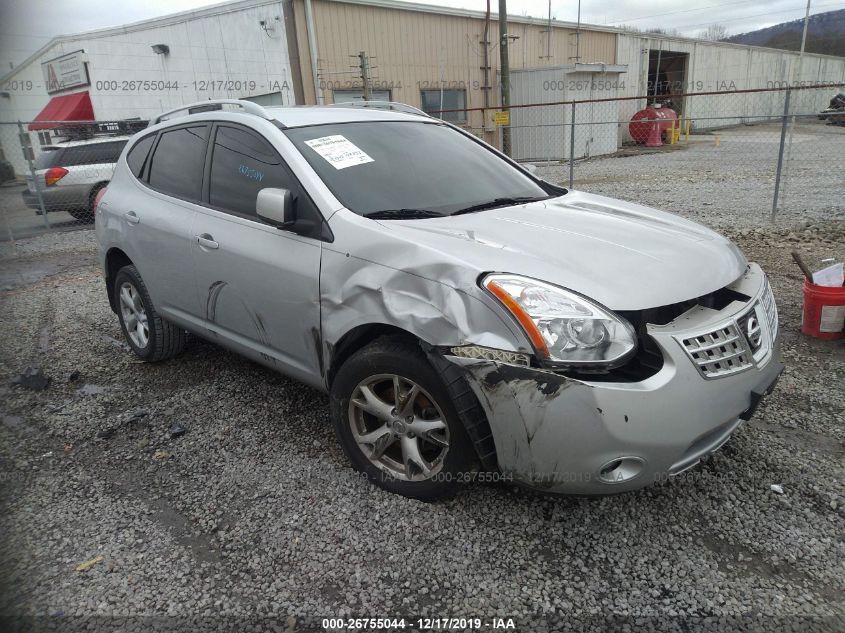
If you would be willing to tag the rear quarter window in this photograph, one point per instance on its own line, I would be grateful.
(177, 162)
(137, 156)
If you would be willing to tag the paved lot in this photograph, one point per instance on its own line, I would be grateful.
(17, 221)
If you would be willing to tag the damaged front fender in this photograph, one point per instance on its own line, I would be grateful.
(540, 420)
(367, 279)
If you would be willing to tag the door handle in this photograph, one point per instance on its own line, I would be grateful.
(132, 217)
(206, 241)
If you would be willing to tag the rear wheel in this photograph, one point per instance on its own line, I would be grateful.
(87, 214)
(150, 337)
(396, 422)
(82, 215)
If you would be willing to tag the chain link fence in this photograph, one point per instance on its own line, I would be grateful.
(51, 172)
(773, 153)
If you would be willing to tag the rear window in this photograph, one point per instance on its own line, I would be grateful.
(49, 158)
(93, 154)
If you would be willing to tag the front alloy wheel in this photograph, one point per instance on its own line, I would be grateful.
(398, 427)
(396, 421)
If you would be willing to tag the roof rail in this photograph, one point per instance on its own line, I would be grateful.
(381, 105)
(214, 104)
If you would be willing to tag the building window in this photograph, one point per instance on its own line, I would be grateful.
(435, 100)
(267, 100)
(345, 96)
(44, 138)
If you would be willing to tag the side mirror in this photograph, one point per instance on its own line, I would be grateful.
(530, 167)
(275, 206)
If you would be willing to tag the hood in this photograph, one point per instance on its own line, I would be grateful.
(623, 255)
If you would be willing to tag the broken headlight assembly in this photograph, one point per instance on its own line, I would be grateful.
(565, 328)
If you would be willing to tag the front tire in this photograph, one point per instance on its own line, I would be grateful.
(396, 422)
(150, 337)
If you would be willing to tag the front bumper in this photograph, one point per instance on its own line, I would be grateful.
(565, 435)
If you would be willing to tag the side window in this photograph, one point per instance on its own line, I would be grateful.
(177, 162)
(76, 155)
(243, 163)
(137, 156)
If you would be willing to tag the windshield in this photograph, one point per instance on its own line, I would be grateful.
(421, 169)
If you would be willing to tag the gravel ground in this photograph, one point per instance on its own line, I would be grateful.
(254, 512)
(730, 184)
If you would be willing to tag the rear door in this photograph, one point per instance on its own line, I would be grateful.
(159, 214)
(258, 285)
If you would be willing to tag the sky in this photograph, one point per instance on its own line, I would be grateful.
(26, 25)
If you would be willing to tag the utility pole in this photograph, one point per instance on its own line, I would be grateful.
(506, 77)
(365, 73)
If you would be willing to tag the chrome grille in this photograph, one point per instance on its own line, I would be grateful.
(770, 308)
(736, 344)
(720, 352)
(750, 325)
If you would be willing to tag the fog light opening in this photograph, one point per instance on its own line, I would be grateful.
(622, 469)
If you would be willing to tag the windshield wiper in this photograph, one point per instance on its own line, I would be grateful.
(499, 202)
(402, 214)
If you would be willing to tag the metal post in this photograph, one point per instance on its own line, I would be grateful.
(26, 148)
(311, 35)
(796, 68)
(506, 77)
(572, 145)
(783, 127)
(572, 110)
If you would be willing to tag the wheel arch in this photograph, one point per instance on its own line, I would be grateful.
(115, 260)
(469, 409)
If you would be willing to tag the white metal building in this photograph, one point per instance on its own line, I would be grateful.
(138, 70)
(303, 51)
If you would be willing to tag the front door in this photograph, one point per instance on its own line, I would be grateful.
(258, 285)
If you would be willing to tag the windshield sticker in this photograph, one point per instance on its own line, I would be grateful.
(339, 151)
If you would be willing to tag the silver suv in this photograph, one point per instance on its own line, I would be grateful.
(71, 174)
(469, 320)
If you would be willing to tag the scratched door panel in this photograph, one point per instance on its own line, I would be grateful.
(259, 289)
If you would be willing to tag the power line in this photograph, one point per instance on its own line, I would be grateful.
(660, 15)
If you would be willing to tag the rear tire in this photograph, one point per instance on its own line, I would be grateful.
(414, 444)
(87, 214)
(151, 338)
(81, 215)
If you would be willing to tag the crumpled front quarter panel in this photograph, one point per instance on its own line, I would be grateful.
(369, 276)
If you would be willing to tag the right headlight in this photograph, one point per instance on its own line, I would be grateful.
(565, 328)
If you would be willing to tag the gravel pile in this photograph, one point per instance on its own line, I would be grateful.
(250, 510)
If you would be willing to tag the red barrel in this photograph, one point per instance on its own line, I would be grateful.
(824, 311)
(648, 126)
